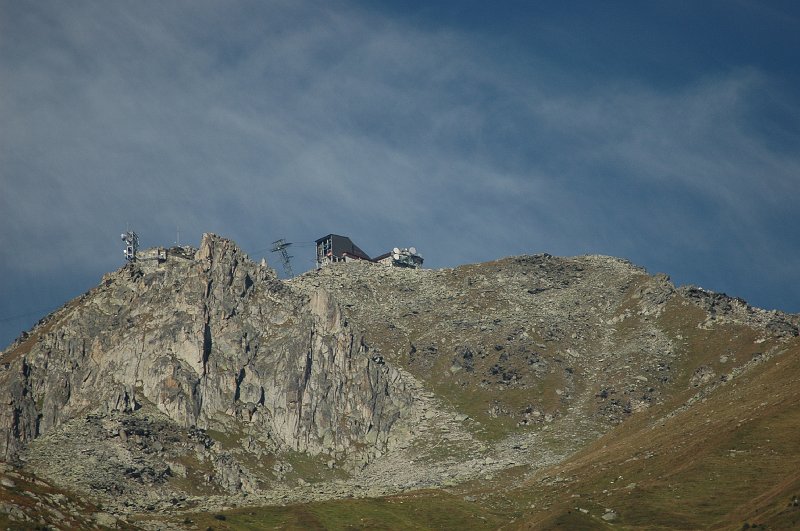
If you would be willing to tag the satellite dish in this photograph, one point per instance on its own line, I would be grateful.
(395, 251)
(396, 256)
(412, 250)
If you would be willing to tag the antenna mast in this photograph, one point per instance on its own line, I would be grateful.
(131, 240)
(279, 246)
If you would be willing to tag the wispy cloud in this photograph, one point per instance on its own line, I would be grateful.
(268, 119)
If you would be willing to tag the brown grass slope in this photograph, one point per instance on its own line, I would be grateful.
(730, 460)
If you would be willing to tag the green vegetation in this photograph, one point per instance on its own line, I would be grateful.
(420, 510)
(227, 439)
(310, 468)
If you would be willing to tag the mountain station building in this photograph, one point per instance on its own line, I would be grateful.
(334, 248)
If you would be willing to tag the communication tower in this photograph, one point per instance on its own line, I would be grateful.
(131, 240)
(405, 257)
(280, 246)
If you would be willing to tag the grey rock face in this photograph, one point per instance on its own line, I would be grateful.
(208, 338)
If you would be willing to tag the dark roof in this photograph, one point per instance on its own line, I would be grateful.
(328, 236)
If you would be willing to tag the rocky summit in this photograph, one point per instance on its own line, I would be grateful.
(192, 388)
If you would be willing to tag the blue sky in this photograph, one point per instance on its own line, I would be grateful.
(664, 132)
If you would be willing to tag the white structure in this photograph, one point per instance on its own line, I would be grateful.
(405, 257)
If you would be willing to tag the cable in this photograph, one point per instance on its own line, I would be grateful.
(293, 244)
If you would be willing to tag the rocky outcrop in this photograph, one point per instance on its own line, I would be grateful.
(209, 338)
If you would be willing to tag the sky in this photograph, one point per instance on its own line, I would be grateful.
(663, 132)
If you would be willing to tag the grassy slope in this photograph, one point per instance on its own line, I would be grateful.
(729, 460)
(418, 510)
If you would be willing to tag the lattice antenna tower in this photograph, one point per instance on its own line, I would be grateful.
(280, 246)
(131, 240)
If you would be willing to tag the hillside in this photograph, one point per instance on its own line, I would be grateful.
(532, 391)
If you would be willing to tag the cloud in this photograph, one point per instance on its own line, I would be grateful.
(262, 120)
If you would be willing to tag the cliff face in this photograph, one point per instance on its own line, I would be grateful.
(206, 337)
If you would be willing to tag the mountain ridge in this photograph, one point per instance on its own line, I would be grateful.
(203, 381)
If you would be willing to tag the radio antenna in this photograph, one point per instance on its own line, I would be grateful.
(131, 240)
